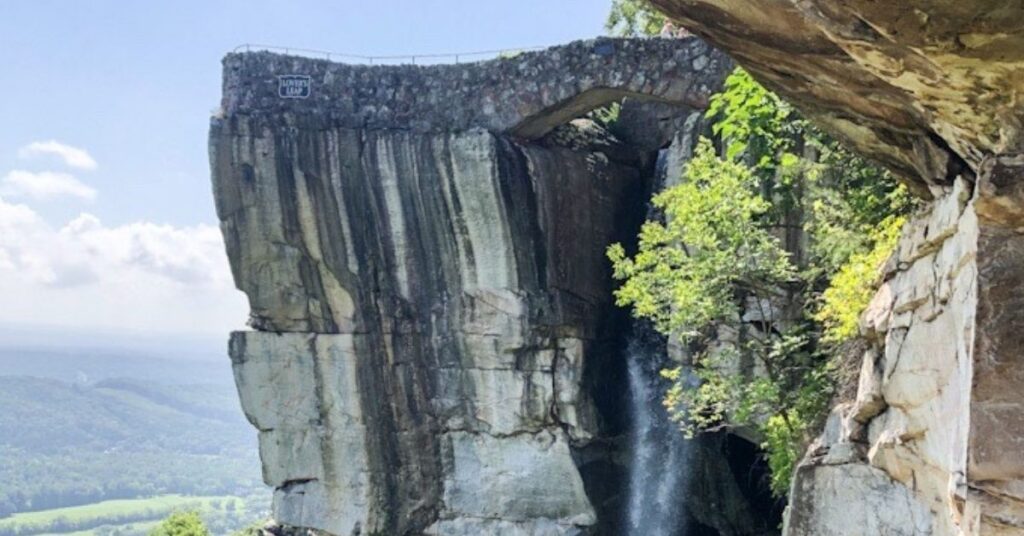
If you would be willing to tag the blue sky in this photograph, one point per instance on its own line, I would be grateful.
(106, 216)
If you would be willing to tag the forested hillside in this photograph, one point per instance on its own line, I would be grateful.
(65, 443)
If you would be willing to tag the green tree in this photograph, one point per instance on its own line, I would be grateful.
(692, 275)
(688, 269)
(181, 524)
(785, 216)
(633, 18)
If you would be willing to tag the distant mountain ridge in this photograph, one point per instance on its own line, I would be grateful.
(81, 428)
(94, 365)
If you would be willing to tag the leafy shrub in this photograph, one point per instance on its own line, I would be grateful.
(181, 524)
(718, 249)
(632, 18)
(854, 284)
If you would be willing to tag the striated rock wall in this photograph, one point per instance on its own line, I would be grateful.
(426, 302)
(435, 346)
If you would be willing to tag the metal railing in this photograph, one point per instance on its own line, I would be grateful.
(457, 57)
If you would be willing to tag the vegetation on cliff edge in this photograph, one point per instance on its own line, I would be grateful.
(767, 252)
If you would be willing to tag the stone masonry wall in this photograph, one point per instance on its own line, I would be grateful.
(527, 94)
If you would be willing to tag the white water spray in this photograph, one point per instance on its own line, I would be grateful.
(659, 468)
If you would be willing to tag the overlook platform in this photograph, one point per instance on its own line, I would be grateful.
(525, 95)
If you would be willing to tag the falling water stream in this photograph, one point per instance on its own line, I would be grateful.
(660, 457)
(660, 454)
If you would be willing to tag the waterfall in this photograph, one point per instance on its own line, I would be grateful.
(659, 465)
(660, 454)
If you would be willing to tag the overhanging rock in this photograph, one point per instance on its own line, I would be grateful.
(928, 87)
(935, 90)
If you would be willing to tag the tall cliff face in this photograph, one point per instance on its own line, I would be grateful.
(425, 268)
(440, 293)
(933, 442)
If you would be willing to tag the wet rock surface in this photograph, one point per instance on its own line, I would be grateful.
(435, 348)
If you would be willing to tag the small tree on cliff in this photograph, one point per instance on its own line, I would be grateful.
(716, 256)
(181, 524)
(633, 18)
(692, 276)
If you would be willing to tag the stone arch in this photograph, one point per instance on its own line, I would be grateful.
(535, 126)
(525, 95)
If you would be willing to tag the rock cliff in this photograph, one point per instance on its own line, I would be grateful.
(933, 442)
(423, 252)
(927, 87)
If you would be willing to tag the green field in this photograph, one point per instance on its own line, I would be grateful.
(131, 516)
(128, 529)
(86, 451)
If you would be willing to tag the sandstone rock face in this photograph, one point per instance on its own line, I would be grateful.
(429, 289)
(932, 444)
(928, 87)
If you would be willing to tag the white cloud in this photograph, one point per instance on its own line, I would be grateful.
(138, 276)
(72, 156)
(44, 185)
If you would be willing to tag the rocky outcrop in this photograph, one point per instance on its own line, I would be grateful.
(932, 444)
(436, 316)
(426, 275)
(928, 87)
(894, 458)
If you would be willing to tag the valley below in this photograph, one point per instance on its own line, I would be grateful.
(98, 441)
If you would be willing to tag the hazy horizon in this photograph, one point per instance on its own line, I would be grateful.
(166, 344)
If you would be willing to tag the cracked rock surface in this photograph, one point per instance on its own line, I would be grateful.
(933, 89)
(427, 280)
(425, 305)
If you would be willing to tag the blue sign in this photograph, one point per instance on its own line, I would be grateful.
(294, 86)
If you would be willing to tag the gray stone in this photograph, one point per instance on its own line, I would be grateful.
(427, 303)
(527, 95)
(853, 500)
(423, 250)
(519, 478)
(939, 390)
(920, 86)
